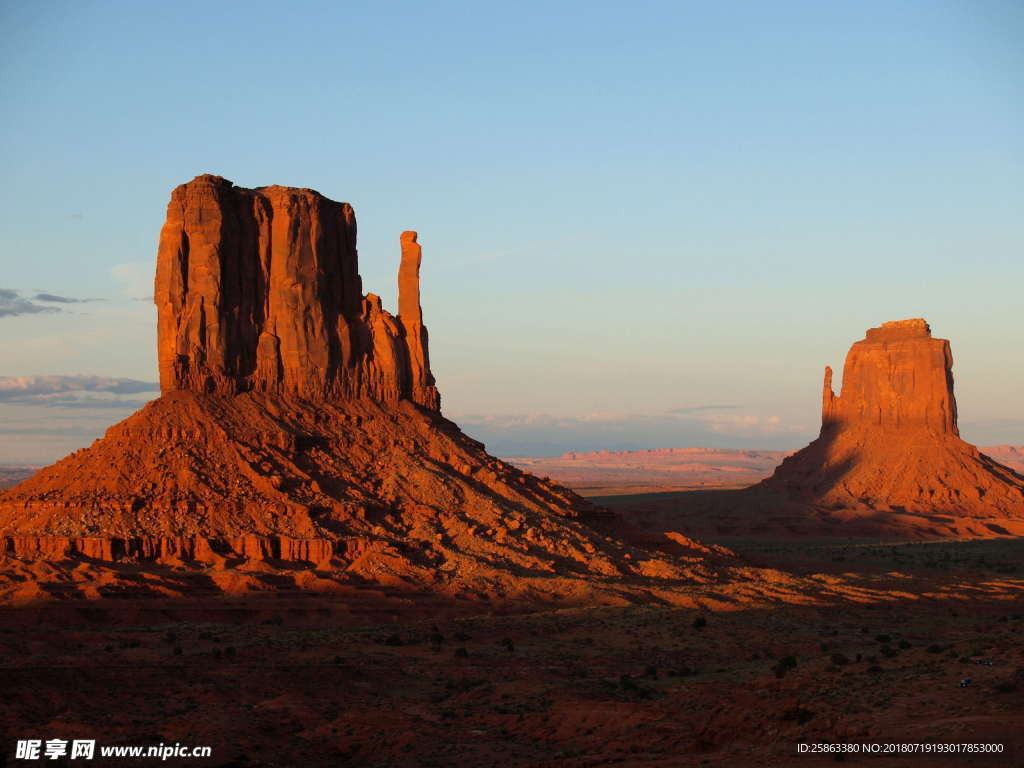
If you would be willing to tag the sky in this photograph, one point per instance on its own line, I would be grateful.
(644, 225)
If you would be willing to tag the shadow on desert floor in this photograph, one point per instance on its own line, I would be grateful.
(272, 680)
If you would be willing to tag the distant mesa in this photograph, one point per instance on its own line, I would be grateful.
(590, 472)
(1010, 455)
(890, 442)
(299, 421)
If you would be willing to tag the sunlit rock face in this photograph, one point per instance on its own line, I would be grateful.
(259, 290)
(889, 441)
(897, 378)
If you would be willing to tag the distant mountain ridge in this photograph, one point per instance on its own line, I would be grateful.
(12, 474)
(1010, 455)
(686, 466)
(671, 466)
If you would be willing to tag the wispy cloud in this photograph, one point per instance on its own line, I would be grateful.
(53, 298)
(703, 409)
(86, 402)
(73, 391)
(13, 304)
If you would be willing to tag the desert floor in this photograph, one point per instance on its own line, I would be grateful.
(386, 678)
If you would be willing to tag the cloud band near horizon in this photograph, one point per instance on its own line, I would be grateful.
(70, 391)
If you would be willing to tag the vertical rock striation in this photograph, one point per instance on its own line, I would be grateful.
(259, 290)
(897, 378)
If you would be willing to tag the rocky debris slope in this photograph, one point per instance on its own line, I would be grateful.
(386, 492)
(890, 441)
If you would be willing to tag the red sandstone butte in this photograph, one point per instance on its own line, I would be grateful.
(259, 290)
(299, 421)
(890, 442)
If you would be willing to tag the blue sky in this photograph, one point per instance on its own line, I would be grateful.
(644, 224)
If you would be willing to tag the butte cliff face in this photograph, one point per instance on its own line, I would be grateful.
(898, 379)
(889, 441)
(259, 290)
(299, 421)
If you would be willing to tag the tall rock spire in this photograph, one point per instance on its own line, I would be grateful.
(409, 309)
(410, 315)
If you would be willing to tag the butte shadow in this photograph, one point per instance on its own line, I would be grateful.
(889, 462)
(299, 424)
